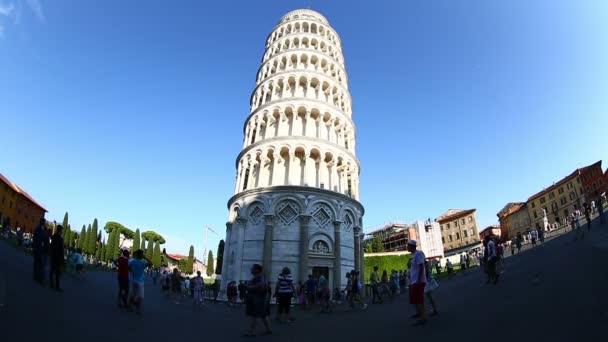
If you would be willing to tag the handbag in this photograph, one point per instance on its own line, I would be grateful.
(430, 286)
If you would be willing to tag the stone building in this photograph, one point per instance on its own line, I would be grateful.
(296, 199)
(489, 231)
(459, 230)
(18, 208)
(514, 218)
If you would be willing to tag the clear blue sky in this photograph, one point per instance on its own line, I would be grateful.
(133, 110)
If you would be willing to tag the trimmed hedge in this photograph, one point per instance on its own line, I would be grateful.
(385, 262)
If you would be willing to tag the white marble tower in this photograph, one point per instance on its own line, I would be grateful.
(296, 200)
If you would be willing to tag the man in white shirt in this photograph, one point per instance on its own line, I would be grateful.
(417, 282)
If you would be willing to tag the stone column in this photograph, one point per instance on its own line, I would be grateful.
(241, 222)
(264, 172)
(303, 266)
(357, 233)
(267, 253)
(337, 254)
(250, 180)
(278, 170)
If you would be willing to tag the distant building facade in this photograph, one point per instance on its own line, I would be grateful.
(490, 231)
(459, 230)
(395, 236)
(514, 218)
(17, 207)
(592, 177)
(558, 201)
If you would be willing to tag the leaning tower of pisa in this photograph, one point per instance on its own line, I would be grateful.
(296, 199)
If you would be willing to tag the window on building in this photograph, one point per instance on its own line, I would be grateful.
(533, 204)
(554, 207)
(578, 180)
(441, 226)
(442, 239)
(542, 200)
(466, 234)
(569, 186)
(457, 236)
(552, 195)
(564, 200)
(448, 226)
(470, 219)
(560, 191)
(450, 237)
(535, 215)
(462, 222)
(580, 191)
(572, 196)
(456, 223)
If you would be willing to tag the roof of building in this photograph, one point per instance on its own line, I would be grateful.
(576, 172)
(510, 208)
(18, 190)
(177, 257)
(490, 227)
(453, 214)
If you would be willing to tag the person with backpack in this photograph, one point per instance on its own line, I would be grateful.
(417, 282)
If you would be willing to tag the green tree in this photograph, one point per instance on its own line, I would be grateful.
(112, 246)
(156, 255)
(220, 257)
(127, 233)
(190, 263)
(103, 250)
(93, 239)
(368, 247)
(136, 241)
(82, 238)
(66, 230)
(153, 236)
(210, 270)
(377, 245)
(150, 250)
(182, 265)
(65, 220)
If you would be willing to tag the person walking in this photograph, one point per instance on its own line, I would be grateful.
(355, 291)
(533, 237)
(449, 267)
(600, 209)
(122, 264)
(57, 258)
(284, 291)
(519, 241)
(176, 286)
(430, 286)
(375, 282)
(463, 263)
(165, 281)
(513, 244)
(137, 267)
(197, 290)
(325, 294)
(587, 211)
(491, 259)
(39, 246)
(256, 300)
(311, 291)
(417, 282)
(576, 223)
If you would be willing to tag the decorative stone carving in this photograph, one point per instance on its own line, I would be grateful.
(320, 247)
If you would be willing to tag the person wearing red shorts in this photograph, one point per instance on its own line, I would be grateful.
(417, 282)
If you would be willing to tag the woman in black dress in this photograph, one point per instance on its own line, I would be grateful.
(257, 300)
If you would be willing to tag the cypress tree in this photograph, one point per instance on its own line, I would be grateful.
(156, 255)
(190, 264)
(82, 238)
(136, 241)
(103, 250)
(93, 240)
(220, 257)
(210, 270)
(150, 250)
(65, 221)
(87, 242)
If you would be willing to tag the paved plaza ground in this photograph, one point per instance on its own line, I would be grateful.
(557, 292)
